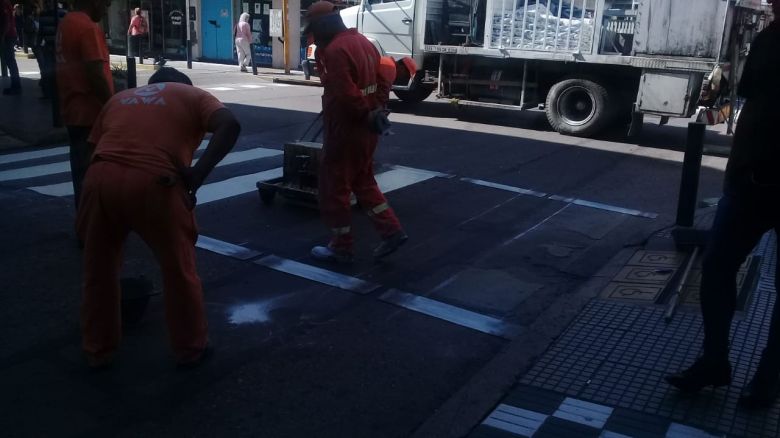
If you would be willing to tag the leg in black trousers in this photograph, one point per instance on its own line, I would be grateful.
(79, 157)
(9, 57)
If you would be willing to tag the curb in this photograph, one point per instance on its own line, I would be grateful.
(291, 81)
(474, 401)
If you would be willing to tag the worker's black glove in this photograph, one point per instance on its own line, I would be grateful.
(192, 180)
(378, 121)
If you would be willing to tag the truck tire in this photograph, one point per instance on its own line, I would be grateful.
(578, 107)
(416, 93)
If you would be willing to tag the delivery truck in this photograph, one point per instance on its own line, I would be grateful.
(589, 64)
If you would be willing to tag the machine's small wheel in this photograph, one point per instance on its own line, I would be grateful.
(267, 195)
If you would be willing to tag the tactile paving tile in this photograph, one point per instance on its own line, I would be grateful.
(617, 354)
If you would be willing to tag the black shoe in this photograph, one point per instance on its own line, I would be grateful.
(390, 245)
(701, 374)
(762, 391)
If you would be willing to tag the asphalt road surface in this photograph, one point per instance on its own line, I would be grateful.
(505, 219)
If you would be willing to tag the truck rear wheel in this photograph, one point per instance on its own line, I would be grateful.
(578, 107)
(417, 92)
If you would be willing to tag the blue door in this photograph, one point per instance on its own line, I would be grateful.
(217, 29)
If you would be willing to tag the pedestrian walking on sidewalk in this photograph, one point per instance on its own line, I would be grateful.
(750, 207)
(46, 42)
(140, 180)
(353, 104)
(138, 33)
(84, 79)
(243, 40)
(8, 37)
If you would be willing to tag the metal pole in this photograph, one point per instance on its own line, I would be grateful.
(286, 36)
(689, 184)
(189, 41)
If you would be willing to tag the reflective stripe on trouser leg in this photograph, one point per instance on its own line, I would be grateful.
(378, 209)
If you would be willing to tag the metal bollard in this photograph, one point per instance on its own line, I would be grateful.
(689, 183)
(132, 79)
(252, 58)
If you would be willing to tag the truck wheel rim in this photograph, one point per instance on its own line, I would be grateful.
(577, 106)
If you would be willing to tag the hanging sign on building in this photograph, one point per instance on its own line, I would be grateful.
(176, 17)
(275, 26)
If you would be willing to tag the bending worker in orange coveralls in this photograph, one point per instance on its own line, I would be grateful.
(140, 180)
(355, 93)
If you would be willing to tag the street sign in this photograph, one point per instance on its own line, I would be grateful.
(276, 23)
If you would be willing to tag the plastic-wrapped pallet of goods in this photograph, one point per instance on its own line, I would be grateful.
(537, 28)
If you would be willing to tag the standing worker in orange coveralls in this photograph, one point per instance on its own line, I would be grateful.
(84, 79)
(140, 180)
(353, 104)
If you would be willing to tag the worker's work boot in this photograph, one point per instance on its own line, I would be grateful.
(390, 244)
(763, 390)
(328, 254)
(704, 372)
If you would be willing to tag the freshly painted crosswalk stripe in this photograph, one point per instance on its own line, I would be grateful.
(401, 177)
(32, 155)
(247, 155)
(64, 166)
(35, 171)
(317, 274)
(61, 189)
(235, 186)
(448, 312)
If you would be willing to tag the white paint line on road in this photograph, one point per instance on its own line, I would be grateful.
(600, 206)
(252, 86)
(35, 171)
(61, 189)
(29, 73)
(235, 186)
(317, 274)
(221, 89)
(504, 187)
(247, 155)
(399, 178)
(31, 155)
(568, 200)
(450, 313)
(424, 305)
(226, 249)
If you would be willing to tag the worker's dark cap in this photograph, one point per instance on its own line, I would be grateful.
(316, 11)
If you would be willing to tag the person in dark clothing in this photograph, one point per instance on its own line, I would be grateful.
(7, 40)
(47, 35)
(750, 207)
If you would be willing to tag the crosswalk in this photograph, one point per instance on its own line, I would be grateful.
(35, 171)
(238, 87)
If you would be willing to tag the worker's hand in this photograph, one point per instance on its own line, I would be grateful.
(191, 178)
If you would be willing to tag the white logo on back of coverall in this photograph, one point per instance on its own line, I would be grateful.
(148, 95)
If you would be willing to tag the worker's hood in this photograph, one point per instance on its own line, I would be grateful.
(244, 17)
(324, 29)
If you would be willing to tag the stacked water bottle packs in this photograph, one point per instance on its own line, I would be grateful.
(546, 27)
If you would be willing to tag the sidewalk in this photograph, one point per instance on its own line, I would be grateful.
(603, 377)
(26, 119)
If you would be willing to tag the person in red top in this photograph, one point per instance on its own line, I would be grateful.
(137, 32)
(140, 180)
(8, 35)
(84, 79)
(355, 94)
